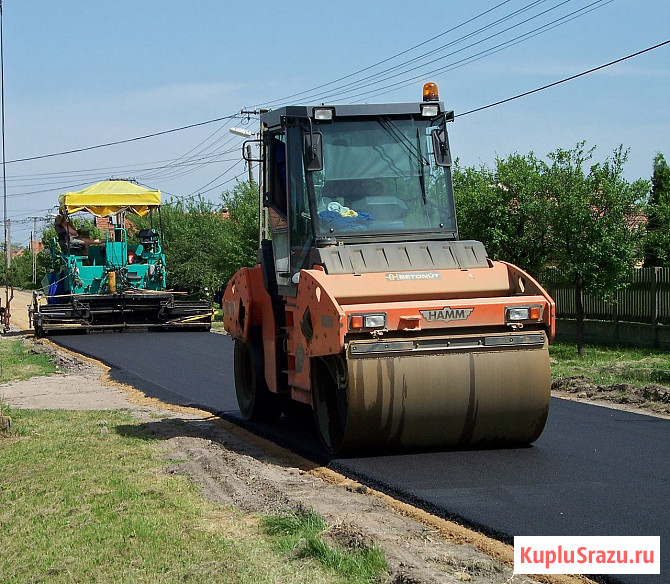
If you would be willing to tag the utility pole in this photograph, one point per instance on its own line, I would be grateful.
(8, 298)
(4, 169)
(34, 249)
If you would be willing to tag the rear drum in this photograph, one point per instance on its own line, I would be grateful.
(255, 400)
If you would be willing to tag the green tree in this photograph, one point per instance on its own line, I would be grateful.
(205, 246)
(507, 209)
(45, 259)
(193, 231)
(20, 269)
(241, 245)
(657, 244)
(593, 244)
(562, 213)
(480, 213)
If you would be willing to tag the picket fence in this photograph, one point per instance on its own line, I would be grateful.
(637, 313)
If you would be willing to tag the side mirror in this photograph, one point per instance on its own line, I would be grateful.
(441, 147)
(313, 150)
(247, 152)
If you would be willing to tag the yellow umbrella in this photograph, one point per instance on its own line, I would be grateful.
(110, 197)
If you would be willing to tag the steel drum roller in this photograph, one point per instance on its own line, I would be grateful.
(442, 400)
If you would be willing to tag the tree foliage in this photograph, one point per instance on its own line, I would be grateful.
(506, 208)
(204, 245)
(241, 245)
(594, 244)
(657, 245)
(595, 239)
(20, 270)
(563, 213)
(21, 267)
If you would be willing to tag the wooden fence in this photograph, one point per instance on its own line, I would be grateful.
(637, 314)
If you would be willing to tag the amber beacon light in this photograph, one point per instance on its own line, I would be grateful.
(430, 92)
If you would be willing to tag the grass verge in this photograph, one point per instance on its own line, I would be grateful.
(17, 362)
(302, 534)
(611, 365)
(634, 377)
(84, 497)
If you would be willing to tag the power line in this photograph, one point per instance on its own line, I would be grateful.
(197, 150)
(200, 190)
(466, 60)
(29, 179)
(181, 198)
(230, 117)
(178, 170)
(126, 141)
(500, 102)
(172, 172)
(493, 50)
(386, 60)
(525, 93)
(186, 163)
(380, 78)
(225, 182)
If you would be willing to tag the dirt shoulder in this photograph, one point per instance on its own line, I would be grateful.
(652, 399)
(19, 309)
(233, 467)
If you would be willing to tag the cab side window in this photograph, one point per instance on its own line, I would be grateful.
(300, 220)
(276, 200)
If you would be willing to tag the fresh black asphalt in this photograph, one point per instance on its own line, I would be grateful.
(594, 470)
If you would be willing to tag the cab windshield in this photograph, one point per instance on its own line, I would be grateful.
(379, 177)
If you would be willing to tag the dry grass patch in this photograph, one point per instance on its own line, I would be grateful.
(82, 502)
(18, 361)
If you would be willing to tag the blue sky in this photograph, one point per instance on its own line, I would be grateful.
(82, 73)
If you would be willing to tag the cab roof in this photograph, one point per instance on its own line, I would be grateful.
(274, 117)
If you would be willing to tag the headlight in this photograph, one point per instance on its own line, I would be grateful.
(518, 313)
(430, 111)
(367, 321)
(323, 114)
(523, 313)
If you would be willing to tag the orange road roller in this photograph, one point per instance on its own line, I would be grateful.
(366, 306)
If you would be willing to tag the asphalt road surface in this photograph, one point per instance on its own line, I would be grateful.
(594, 470)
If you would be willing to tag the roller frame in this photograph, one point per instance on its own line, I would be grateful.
(502, 387)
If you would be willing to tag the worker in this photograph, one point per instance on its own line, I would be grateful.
(70, 238)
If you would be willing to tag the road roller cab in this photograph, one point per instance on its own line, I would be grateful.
(364, 303)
